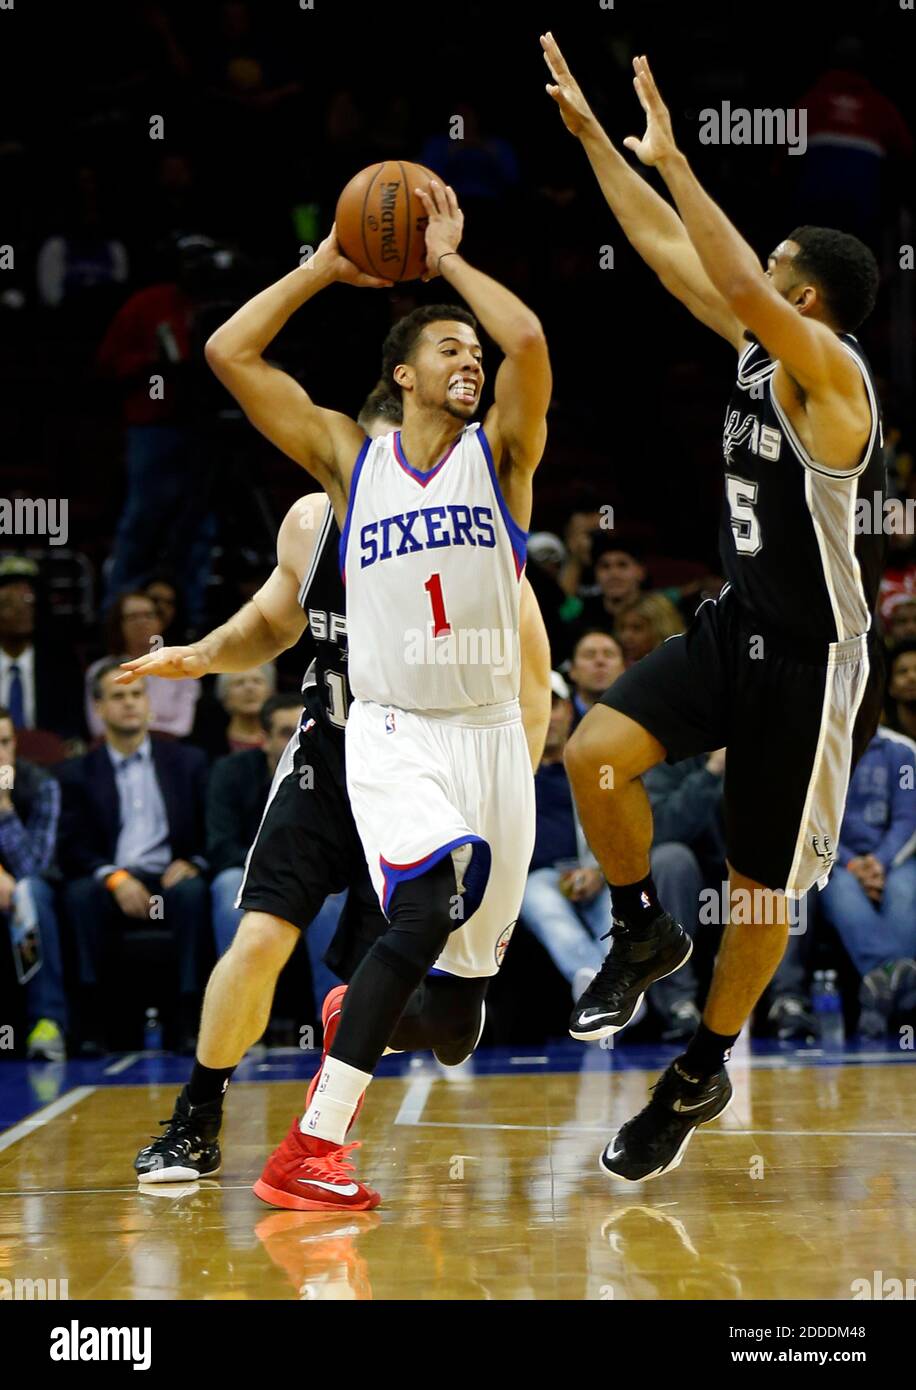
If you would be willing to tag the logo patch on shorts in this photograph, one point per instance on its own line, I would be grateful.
(505, 937)
(826, 853)
(390, 726)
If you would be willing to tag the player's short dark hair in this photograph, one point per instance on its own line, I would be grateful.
(402, 340)
(284, 699)
(380, 405)
(5, 714)
(843, 269)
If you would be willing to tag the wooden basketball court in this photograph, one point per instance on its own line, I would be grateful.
(489, 1182)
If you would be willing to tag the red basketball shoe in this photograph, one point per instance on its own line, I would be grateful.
(330, 1018)
(309, 1174)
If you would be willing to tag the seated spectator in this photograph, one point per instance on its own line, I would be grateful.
(40, 680)
(620, 575)
(901, 688)
(29, 812)
(901, 620)
(238, 791)
(644, 623)
(229, 719)
(688, 849)
(132, 825)
(577, 575)
(871, 895)
(559, 610)
(597, 661)
(132, 624)
(169, 609)
(567, 903)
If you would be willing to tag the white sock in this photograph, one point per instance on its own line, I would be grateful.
(336, 1097)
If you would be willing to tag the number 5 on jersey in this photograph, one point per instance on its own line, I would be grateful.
(742, 496)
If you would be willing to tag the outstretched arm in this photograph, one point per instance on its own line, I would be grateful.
(269, 624)
(324, 442)
(809, 350)
(534, 691)
(650, 224)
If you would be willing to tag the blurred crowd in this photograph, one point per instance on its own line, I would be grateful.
(127, 811)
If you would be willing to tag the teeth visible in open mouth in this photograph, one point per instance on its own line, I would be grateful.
(465, 389)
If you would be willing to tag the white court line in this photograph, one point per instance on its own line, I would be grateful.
(50, 1112)
(413, 1104)
(122, 1064)
(718, 1133)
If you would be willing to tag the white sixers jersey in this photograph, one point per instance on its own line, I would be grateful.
(432, 564)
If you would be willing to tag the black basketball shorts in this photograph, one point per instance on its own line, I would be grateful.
(307, 847)
(794, 726)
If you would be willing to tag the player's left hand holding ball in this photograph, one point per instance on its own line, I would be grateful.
(445, 225)
(658, 142)
(330, 259)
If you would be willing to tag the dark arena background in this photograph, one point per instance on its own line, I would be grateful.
(160, 163)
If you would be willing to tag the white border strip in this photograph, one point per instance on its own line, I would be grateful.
(50, 1112)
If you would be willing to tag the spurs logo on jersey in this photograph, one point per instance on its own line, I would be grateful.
(327, 627)
(746, 429)
(432, 563)
(788, 542)
(325, 687)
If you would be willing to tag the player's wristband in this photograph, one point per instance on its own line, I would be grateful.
(113, 880)
(443, 256)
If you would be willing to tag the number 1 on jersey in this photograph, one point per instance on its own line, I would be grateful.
(433, 586)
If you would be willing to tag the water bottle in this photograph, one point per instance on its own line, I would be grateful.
(152, 1033)
(828, 1009)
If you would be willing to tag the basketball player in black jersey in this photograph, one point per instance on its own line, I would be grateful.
(307, 846)
(782, 669)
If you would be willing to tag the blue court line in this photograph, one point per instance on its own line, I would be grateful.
(26, 1087)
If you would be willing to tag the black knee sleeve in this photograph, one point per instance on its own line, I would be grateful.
(444, 1009)
(420, 919)
(420, 922)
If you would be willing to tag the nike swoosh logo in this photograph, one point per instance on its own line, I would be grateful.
(679, 1105)
(593, 1015)
(615, 1154)
(348, 1189)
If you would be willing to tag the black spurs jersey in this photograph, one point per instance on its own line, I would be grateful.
(801, 544)
(326, 684)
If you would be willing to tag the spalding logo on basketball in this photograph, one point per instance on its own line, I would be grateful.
(505, 937)
(381, 223)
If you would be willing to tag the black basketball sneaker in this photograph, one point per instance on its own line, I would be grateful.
(453, 1054)
(188, 1149)
(627, 971)
(653, 1142)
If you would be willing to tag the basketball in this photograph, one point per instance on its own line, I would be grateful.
(381, 223)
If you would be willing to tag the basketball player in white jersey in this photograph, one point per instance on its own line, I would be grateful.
(307, 844)
(433, 539)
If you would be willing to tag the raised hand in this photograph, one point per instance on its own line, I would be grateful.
(175, 663)
(658, 141)
(565, 90)
(444, 226)
(331, 258)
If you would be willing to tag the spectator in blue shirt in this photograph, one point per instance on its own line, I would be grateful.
(567, 904)
(871, 895)
(29, 812)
